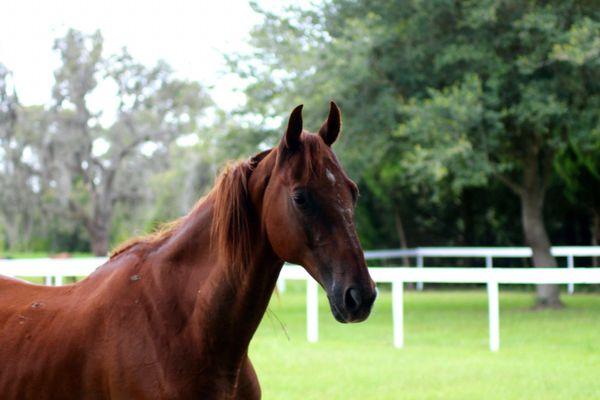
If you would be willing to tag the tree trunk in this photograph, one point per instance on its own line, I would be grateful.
(99, 237)
(97, 225)
(534, 229)
(99, 244)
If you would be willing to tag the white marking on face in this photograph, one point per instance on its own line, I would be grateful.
(330, 176)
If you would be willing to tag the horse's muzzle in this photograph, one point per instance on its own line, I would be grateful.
(353, 303)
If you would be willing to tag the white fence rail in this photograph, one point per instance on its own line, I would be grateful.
(491, 277)
(486, 253)
(55, 269)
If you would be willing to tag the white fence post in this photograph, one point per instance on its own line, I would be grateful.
(420, 265)
(281, 285)
(489, 261)
(398, 312)
(58, 280)
(48, 280)
(312, 310)
(494, 314)
(571, 265)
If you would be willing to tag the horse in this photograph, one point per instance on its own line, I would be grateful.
(171, 315)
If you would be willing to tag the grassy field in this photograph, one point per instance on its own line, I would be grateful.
(543, 355)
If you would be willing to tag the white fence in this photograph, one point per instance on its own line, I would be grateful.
(55, 269)
(489, 276)
(52, 269)
(486, 253)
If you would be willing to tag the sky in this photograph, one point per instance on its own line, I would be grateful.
(190, 35)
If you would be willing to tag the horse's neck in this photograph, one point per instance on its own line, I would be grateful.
(229, 314)
(220, 309)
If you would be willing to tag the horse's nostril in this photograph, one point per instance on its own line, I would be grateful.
(352, 299)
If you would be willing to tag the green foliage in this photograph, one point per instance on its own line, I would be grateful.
(437, 136)
(580, 45)
(437, 96)
(580, 170)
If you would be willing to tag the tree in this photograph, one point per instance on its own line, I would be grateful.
(93, 166)
(517, 97)
(458, 92)
(18, 178)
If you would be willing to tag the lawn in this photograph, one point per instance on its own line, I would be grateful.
(543, 355)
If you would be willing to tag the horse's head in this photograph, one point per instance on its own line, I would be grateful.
(308, 212)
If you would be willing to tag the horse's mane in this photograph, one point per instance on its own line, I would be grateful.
(230, 228)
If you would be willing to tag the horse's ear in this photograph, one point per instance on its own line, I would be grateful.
(291, 140)
(332, 126)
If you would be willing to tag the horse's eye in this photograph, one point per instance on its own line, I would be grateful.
(300, 198)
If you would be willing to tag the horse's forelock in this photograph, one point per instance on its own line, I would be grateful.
(309, 155)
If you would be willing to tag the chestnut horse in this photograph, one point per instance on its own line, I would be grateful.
(171, 315)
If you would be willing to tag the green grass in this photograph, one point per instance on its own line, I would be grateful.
(543, 355)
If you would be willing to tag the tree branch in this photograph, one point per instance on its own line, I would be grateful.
(512, 185)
